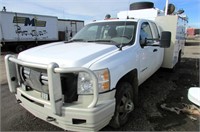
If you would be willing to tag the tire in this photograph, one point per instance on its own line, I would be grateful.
(20, 48)
(141, 5)
(124, 104)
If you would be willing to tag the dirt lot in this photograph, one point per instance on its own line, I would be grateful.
(164, 87)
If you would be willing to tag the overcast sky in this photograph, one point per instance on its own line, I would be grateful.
(89, 10)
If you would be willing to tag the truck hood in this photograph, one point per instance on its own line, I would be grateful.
(75, 54)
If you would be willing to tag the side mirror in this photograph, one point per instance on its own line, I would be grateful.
(165, 40)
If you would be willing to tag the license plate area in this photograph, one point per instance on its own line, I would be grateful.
(44, 96)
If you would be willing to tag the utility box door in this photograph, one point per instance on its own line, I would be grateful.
(176, 26)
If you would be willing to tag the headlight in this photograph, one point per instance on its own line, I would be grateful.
(85, 83)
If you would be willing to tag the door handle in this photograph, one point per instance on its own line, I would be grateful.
(155, 50)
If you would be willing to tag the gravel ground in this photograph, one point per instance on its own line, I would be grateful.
(164, 87)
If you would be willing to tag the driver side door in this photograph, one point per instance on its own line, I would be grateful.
(147, 53)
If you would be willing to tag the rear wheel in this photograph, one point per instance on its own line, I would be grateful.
(124, 104)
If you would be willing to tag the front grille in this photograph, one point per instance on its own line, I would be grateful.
(37, 79)
(44, 79)
(26, 73)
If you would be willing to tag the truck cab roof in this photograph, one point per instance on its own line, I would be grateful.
(118, 20)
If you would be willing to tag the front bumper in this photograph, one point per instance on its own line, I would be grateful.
(74, 118)
(91, 115)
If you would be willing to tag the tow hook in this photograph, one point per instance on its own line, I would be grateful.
(50, 119)
(19, 101)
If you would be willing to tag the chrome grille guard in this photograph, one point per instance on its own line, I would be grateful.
(54, 82)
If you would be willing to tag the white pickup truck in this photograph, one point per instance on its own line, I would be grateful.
(92, 81)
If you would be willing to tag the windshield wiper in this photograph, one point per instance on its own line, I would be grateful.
(108, 41)
(97, 40)
(76, 40)
(103, 40)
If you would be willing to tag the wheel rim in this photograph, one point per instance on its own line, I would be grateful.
(125, 106)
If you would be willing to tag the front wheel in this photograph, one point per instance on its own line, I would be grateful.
(124, 105)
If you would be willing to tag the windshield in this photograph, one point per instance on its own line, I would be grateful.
(114, 32)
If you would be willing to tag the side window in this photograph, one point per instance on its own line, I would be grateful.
(146, 28)
(155, 30)
(145, 33)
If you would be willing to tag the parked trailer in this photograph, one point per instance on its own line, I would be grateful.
(22, 31)
(68, 28)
